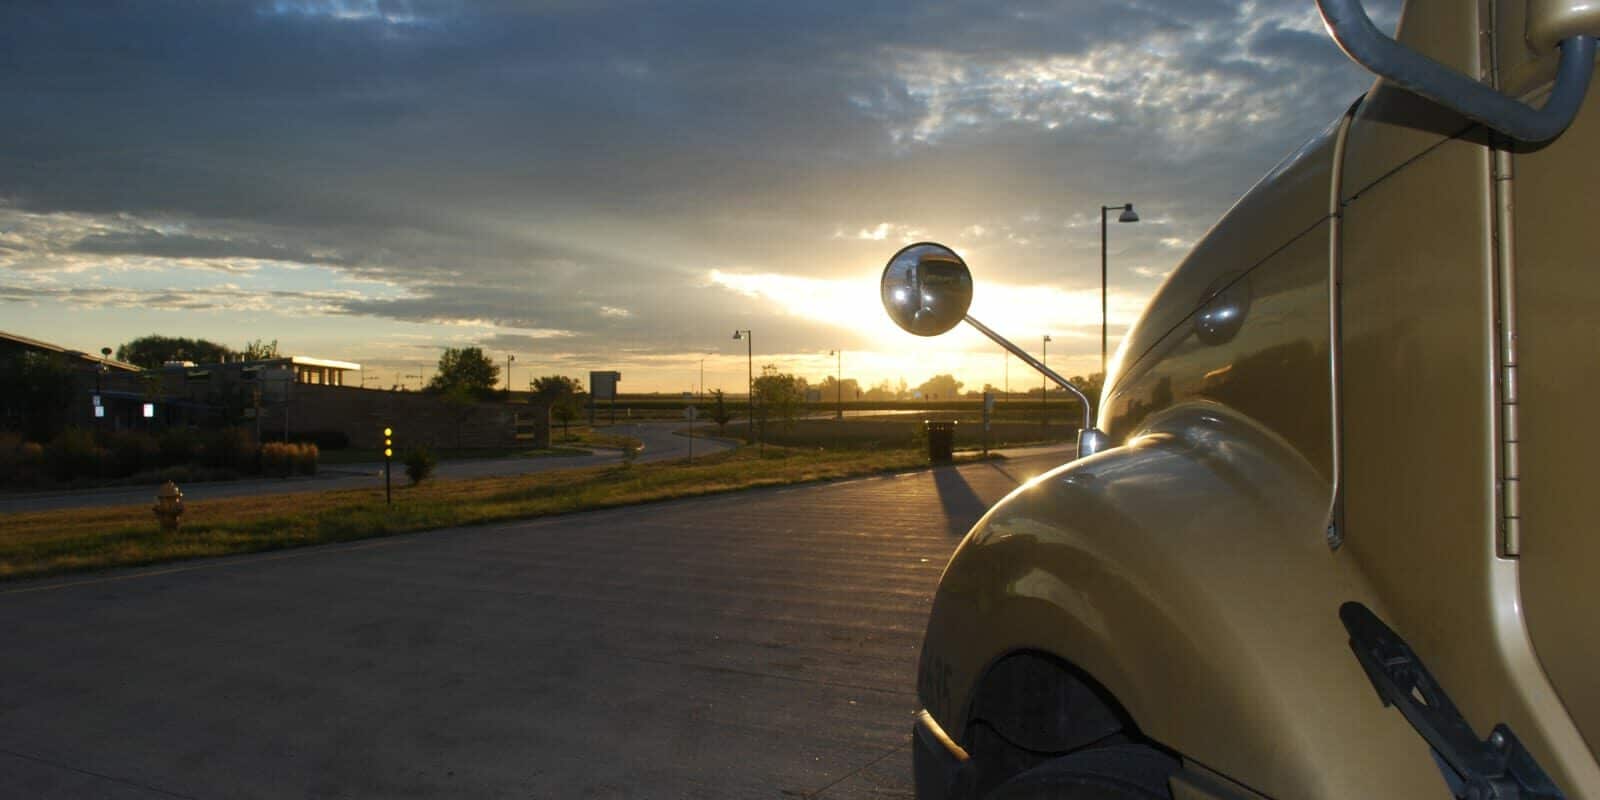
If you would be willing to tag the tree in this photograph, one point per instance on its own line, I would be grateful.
(458, 401)
(467, 369)
(938, 387)
(563, 395)
(420, 462)
(719, 411)
(779, 396)
(882, 391)
(259, 351)
(154, 350)
(38, 394)
(830, 389)
(1090, 385)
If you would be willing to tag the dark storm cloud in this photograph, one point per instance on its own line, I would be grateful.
(186, 299)
(579, 166)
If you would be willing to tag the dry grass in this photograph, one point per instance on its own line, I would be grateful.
(46, 543)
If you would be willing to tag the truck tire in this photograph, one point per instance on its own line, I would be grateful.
(1117, 772)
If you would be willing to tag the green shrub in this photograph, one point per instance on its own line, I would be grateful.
(305, 459)
(419, 464)
(277, 459)
(233, 448)
(74, 454)
(10, 458)
(281, 460)
(131, 452)
(178, 446)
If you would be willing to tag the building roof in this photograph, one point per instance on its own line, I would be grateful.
(280, 361)
(324, 362)
(35, 344)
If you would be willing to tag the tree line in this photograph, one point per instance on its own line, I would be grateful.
(155, 350)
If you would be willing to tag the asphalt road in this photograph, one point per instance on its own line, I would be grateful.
(659, 444)
(759, 644)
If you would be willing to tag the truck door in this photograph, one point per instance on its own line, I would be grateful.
(1553, 508)
(1476, 547)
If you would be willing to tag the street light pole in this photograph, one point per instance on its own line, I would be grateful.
(1127, 215)
(838, 380)
(1044, 388)
(99, 391)
(750, 378)
(509, 358)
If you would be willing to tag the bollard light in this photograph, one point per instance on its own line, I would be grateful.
(388, 453)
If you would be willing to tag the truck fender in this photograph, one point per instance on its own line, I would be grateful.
(1187, 573)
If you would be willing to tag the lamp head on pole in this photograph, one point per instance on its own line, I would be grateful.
(1047, 338)
(738, 334)
(1128, 214)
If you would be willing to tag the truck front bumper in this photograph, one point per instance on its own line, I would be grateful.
(941, 768)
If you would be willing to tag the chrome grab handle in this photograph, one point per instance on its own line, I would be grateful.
(1355, 34)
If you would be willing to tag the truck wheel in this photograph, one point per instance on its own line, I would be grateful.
(1117, 772)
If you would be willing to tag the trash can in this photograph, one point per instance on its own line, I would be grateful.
(941, 440)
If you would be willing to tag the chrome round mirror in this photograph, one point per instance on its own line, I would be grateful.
(927, 289)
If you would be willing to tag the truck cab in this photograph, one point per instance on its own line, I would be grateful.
(1338, 540)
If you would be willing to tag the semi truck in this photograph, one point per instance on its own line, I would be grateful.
(1331, 529)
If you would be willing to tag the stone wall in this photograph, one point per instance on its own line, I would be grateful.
(416, 417)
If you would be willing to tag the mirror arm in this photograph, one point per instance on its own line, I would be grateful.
(1088, 412)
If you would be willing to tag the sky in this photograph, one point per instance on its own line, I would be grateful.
(590, 184)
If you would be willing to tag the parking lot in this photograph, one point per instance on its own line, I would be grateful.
(760, 644)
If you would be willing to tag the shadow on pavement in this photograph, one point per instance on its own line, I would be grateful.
(1001, 468)
(962, 506)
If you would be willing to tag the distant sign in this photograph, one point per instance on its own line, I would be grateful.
(603, 385)
(691, 413)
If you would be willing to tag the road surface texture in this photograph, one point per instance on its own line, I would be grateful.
(752, 645)
(660, 443)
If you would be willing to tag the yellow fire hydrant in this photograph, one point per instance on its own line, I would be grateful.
(169, 507)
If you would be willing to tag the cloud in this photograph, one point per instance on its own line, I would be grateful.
(149, 242)
(226, 298)
(504, 168)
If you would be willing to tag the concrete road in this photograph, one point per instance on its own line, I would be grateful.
(754, 645)
(659, 444)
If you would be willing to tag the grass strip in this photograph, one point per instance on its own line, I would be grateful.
(54, 542)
